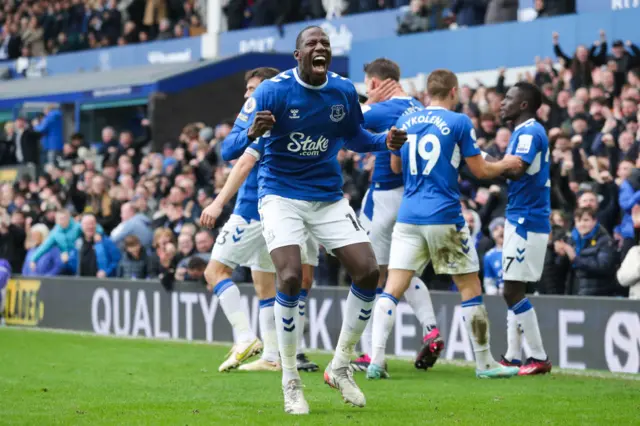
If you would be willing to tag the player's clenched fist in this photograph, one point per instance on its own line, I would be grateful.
(262, 123)
(210, 215)
(396, 138)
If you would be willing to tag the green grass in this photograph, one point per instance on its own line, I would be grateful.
(54, 378)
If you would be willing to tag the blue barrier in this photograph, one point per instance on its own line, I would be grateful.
(188, 49)
(492, 46)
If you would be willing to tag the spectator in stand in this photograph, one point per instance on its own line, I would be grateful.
(423, 15)
(96, 255)
(12, 238)
(583, 62)
(33, 37)
(195, 270)
(10, 42)
(165, 32)
(98, 202)
(133, 223)
(50, 129)
(469, 13)
(20, 144)
(546, 8)
(499, 147)
(50, 263)
(62, 237)
(134, 263)
(501, 11)
(592, 256)
(204, 244)
(109, 143)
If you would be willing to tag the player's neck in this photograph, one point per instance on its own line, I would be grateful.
(310, 79)
(442, 103)
(524, 117)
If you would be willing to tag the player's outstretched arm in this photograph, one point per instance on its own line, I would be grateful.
(235, 180)
(483, 169)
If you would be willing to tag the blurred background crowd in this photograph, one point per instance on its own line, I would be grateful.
(32, 28)
(112, 207)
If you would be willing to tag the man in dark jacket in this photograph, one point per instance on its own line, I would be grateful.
(592, 256)
(556, 267)
(11, 241)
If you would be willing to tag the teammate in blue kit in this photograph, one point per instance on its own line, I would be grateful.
(430, 226)
(493, 281)
(526, 231)
(379, 211)
(303, 117)
(240, 242)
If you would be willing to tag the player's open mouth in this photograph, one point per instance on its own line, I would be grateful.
(319, 63)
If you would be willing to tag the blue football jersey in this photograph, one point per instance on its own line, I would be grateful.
(437, 141)
(312, 124)
(529, 205)
(379, 118)
(493, 266)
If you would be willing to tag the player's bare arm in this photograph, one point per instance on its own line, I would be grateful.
(396, 164)
(517, 172)
(483, 169)
(262, 123)
(235, 180)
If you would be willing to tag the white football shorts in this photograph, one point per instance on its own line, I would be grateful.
(523, 259)
(287, 222)
(378, 216)
(449, 248)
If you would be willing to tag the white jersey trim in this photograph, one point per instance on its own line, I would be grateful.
(309, 86)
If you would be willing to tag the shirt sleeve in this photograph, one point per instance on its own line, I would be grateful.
(237, 141)
(256, 148)
(527, 146)
(467, 138)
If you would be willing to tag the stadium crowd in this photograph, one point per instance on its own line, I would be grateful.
(118, 210)
(32, 28)
(414, 15)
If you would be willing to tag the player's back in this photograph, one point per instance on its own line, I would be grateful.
(530, 196)
(380, 118)
(437, 140)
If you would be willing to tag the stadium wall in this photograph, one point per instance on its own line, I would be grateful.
(578, 332)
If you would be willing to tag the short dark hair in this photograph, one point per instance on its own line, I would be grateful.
(263, 73)
(299, 38)
(131, 241)
(383, 68)
(197, 263)
(581, 211)
(531, 94)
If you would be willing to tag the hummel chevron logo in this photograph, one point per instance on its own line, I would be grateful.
(239, 231)
(520, 259)
(464, 241)
(288, 321)
(365, 314)
(465, 249)
(520, 251)
(235, 239)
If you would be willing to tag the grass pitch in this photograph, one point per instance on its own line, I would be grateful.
(54, 378)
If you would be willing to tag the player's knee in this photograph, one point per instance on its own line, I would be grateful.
(513, 292)
(368, 278)
(216, 272)
(290, 280)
